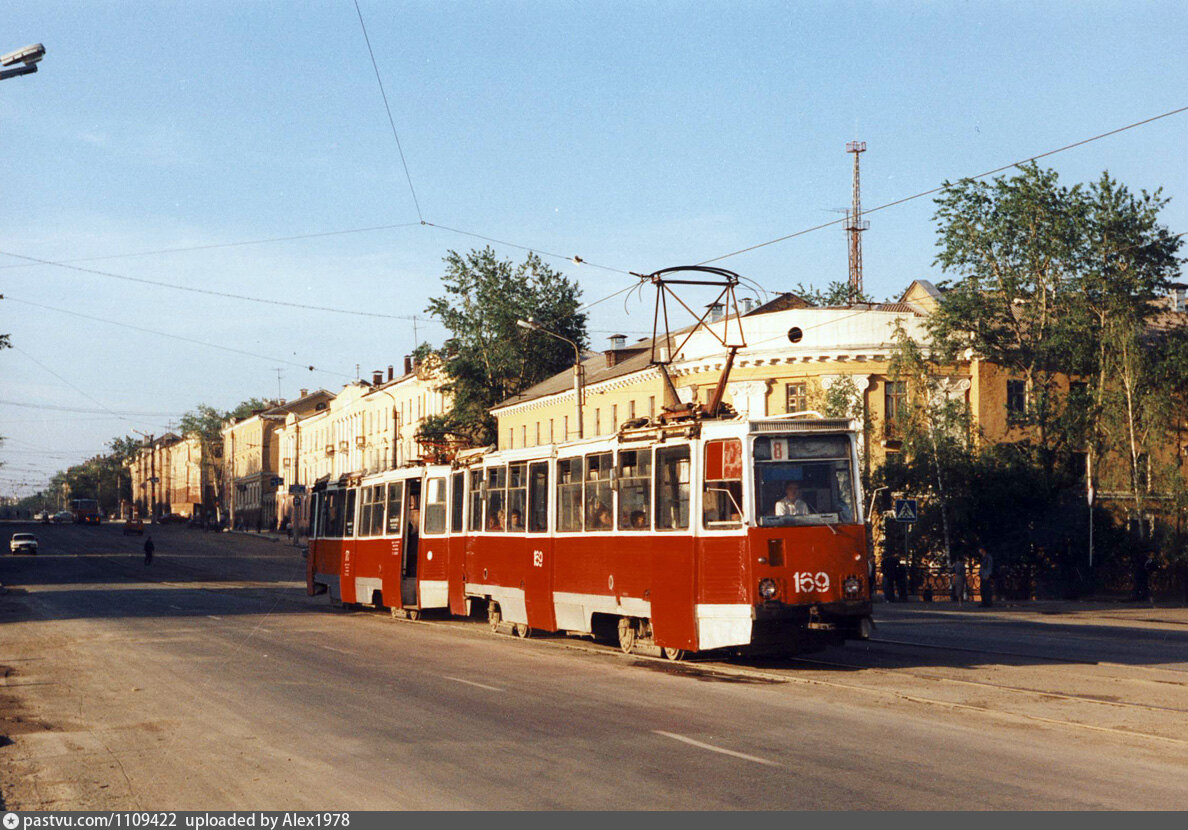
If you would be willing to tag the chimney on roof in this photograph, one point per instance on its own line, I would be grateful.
(715, 312)
(618, 341)
(408, 364)
(391, 372)
(304, 392)
(748, 305)
(377, 377)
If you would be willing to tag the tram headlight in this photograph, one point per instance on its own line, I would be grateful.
(768, 589)
(852, 586)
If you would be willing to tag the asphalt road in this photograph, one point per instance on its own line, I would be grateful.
(210, 681)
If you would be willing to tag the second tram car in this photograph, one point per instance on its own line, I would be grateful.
(675, 537)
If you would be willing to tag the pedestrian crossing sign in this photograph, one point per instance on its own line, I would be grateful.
(905, 510)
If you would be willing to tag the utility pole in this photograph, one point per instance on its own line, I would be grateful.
(855, 225)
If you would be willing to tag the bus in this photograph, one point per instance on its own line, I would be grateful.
(85, 511)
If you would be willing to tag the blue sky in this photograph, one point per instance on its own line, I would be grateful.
(636, 135)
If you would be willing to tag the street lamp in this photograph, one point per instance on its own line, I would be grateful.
(532, 325)
(28, 56)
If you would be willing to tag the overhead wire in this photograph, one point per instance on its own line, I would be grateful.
(939, 188)
(69, 383)
(388, 109)
(207, 291)
(172, 336)
(217, 245)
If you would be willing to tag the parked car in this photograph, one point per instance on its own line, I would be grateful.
(42, 516)
(22, 543)
(63, 517)
(172, 519)
(134, 526)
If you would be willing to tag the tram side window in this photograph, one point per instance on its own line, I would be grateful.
(569, 494)
(377, 510)
(365, 496)
(721, 496)
(496, 498)
(517, 497)
(635, 490)
(538, 498)
(333, 520)
(395, 501)
(457, 501)
(672, 488)
(348, 512)
(476, 501)
(435, 505)
(599, 498)
(315, 515)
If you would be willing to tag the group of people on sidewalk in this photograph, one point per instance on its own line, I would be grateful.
(896, 587)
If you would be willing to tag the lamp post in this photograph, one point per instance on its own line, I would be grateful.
(532, 325)
(28, 56)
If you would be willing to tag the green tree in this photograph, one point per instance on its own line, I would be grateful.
(488, 358)
(205, 423)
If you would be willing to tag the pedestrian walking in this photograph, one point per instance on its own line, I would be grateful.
(149, 547)
(901, 580)
(1149, 569)
(957, 587)
(986, 575)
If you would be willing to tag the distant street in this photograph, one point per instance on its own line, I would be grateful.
(210, 681)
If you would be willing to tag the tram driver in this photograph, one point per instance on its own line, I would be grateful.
(792, 504)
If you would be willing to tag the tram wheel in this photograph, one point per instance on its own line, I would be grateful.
(494, 616)
(626, 634)
(674, 654)
(522, 631)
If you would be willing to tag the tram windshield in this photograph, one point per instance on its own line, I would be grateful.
(803, 480)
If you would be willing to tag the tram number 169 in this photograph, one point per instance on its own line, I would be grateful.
(806, 582)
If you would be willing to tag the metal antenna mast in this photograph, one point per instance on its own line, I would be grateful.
(855, 225)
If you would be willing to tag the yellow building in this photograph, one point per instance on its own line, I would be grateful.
(152, 472)
(794, 355)
(365, 428)
(251, 460)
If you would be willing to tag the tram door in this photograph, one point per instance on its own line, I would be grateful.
(411, 547)
(538, 593)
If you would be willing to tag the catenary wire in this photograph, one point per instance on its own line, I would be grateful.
(576, 260)
(924, 193)
(206, 291)
(388, 109)
(80, 391)
(174, 336)
(217, 245)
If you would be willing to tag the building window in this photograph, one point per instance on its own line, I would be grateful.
(524, 435)
(566, 427)
(614, 417)
(1016, 398)
(597, 421)
(538, 433)
(894, 405)
(511, 437)
(652, 406)
(551, 437)
(631, 410)
(796, 397)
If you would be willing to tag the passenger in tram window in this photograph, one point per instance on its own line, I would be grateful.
(792, 504)
(639, 520)
(497, 521)
(601, 517)
(517, 521)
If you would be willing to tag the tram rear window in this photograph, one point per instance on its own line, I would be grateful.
(803, 480)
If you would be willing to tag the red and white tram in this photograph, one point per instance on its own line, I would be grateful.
(681, 537)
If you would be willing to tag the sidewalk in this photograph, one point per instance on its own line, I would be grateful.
(1089, 611)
